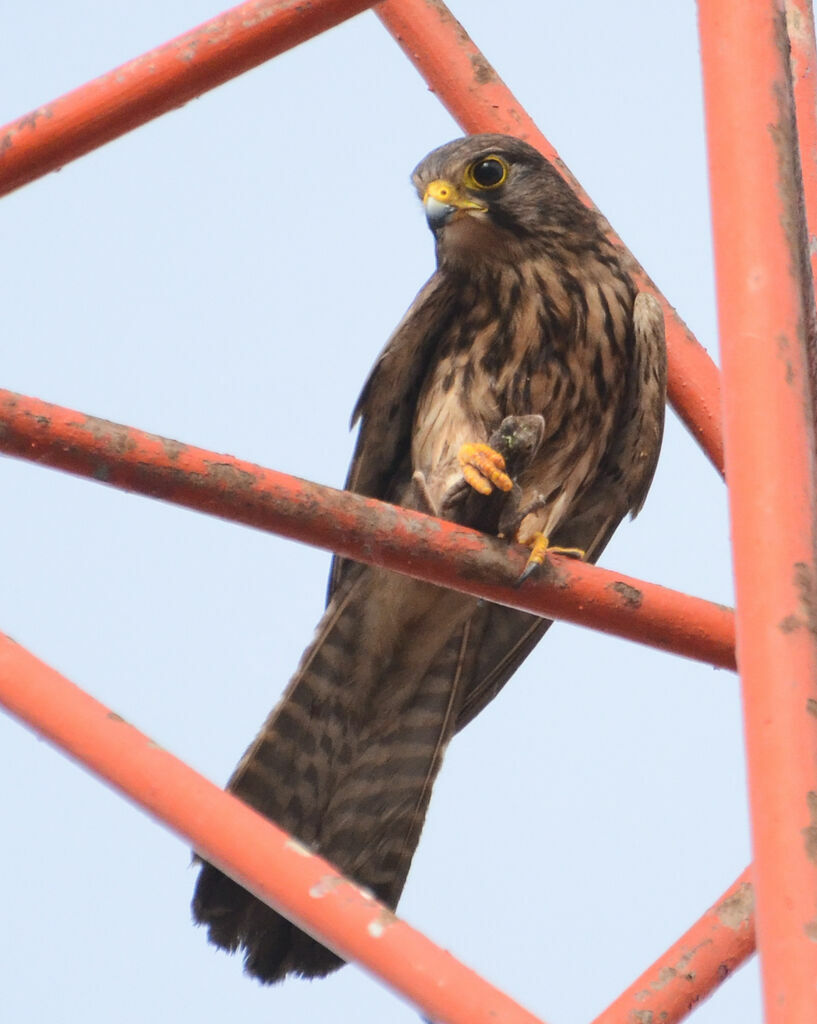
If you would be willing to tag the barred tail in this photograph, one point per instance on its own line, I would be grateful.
(347, 760)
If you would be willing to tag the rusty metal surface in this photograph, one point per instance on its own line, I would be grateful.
(765, 308)
(273, 865)
(158, 81)
(803, 62)
(690, 970)
(167, 77)
(364, 529)
(474, 94)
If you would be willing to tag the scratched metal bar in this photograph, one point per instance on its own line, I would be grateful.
(803, 61)
(239, 39)
(257, 854)
(764, 308)
(475, 95)
(158, 81)
(362, 528)
(691, 969)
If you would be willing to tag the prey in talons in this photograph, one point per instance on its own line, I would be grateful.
(484, 468)
(500, 464)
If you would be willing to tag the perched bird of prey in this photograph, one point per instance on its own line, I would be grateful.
(523, 394)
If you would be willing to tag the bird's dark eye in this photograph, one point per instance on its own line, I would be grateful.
(489, 172)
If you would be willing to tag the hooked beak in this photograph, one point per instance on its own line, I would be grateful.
(442, 200)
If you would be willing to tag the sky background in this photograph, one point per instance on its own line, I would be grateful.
(174, 280)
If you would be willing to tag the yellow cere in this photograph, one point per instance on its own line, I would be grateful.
(445, 192)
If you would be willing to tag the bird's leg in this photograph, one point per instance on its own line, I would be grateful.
(423, 500)
(530, 534)
(487, 492)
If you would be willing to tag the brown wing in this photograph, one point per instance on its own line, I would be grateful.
(501, 638)
(498, 639)
(381, 466)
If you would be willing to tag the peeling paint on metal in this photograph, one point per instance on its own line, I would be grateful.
(632, 596)
(325, 886)
(810, 832)
(737, 910)
(792, 203)
(665, 976)
(783, 349)
(797, 29)
(173, 449)
(378, 925)
(789, 624)
(483, 72)
(231, 477)
(103, 430)
(811, 706)
(804, 582)
(680, 972)
(297, 847)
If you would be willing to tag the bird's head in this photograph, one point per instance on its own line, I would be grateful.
(491, 197)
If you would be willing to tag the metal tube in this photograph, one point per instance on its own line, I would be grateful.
(239, 39)
(362, 528)
(250, 849)
(475, 95)
(158, 81)
(803, 62)
(690, 970)
(764, 308)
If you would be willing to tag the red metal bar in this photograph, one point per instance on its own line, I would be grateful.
(803, 61)
(455, 69)
(159, 81)
(364, 529)
(763, 300)
(250, 849)
(237, 40)
(691, 970)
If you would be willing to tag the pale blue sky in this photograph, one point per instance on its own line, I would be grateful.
(173, 281)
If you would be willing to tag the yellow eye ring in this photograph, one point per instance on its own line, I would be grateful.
(486, 173)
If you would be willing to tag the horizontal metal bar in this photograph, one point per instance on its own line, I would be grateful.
(475, 95)
(250, 849)
(690, 970)
(364, 529)
(158, 81)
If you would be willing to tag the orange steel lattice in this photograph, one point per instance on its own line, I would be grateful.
(754, 88)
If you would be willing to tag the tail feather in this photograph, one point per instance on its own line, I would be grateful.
(347, 759)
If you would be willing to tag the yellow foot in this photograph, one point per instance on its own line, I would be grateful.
(484, 468)
(539, 549)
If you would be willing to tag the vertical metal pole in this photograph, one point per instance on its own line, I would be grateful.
(764, 307)
(800, 24)
(803, 62)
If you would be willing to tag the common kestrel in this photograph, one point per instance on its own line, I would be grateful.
(523, 394)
